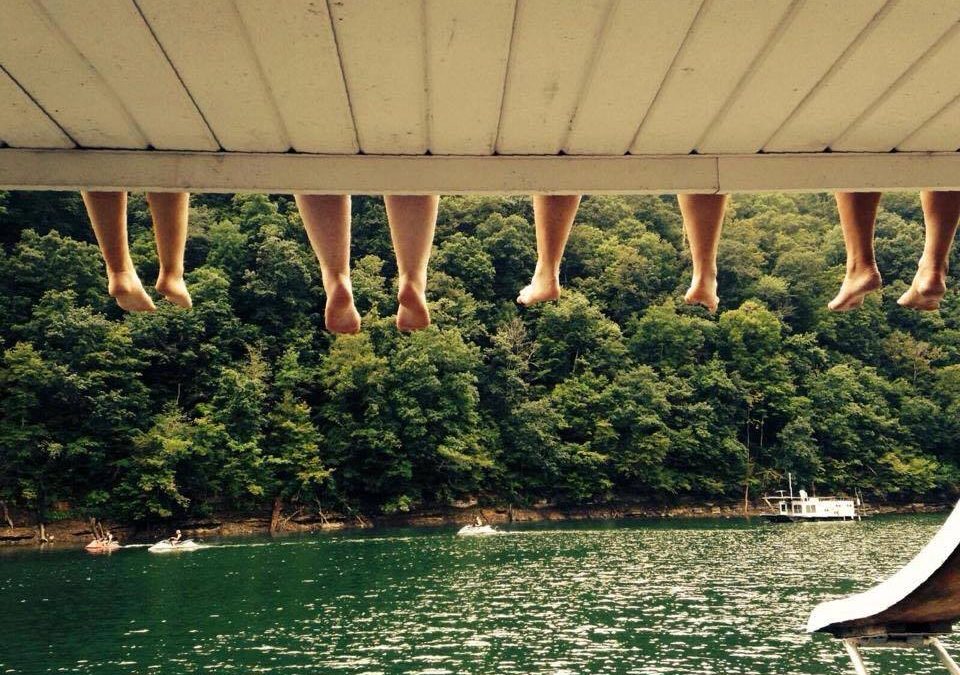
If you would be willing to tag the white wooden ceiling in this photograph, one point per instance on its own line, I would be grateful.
(658, 94)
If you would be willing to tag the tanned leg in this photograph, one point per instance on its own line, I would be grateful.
(108, 215)
(413, 219)
(941, 212)
(327, 221)
(170, 213)
(703, 221)
(553, 217)
(858, 216)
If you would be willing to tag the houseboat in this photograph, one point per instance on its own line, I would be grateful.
(787, 508)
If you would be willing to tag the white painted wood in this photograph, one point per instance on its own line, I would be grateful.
(468, 45)
(294, 43)
(357, 174)
(22, 123)
(886, 49)
(642, 39)
(942, 132)
(35, 52)
(724, 40)
(815, 172)
(114, 39)
(919, 95)
(382, 53)
(208, 44)
(550, 63)
(818, 33)
(364, 174)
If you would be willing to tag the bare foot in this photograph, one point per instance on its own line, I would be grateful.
(173, 288)
(856, 284)
(413, 313)
(543, 288)
(703, 291)
(926, 291)
(340, 315)
(126, 289)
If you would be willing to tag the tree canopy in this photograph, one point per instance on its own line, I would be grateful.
(616, 392)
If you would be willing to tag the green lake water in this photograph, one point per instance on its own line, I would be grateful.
(651, 597)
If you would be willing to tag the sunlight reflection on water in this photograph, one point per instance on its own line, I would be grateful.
(643, 598)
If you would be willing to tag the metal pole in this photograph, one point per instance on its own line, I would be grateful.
(945, 659)
(854, 653)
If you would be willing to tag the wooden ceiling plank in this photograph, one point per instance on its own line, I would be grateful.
(901, 35)
(119, 45)
(208, 46)
(919, 95)
(295, 45)
(468, 44)
(723, 43)
(37, 53)
(551, 61)
(382, 51)
(631, 66)
(790, 70)
(22, 123)
(939, 133)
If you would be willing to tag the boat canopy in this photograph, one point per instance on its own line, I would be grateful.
(499, 96)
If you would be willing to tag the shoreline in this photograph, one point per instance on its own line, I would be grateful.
(76, 533)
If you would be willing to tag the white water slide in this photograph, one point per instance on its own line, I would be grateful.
(910, 609)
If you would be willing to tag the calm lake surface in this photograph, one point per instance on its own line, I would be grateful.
(656, 597)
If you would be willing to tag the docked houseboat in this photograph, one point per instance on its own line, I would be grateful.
(787, 508)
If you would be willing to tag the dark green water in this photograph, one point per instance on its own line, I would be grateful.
(689, 596)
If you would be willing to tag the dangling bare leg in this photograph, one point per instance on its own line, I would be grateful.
(858, 215)
(703, 221)
(327, 221)
(108, 215)
(412, 222)
(553, 217)
(941, 212)
(170, 212)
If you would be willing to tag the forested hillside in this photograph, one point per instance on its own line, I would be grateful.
(615, 392)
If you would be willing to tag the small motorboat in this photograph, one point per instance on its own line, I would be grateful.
(477, 531)
(167, 546)
(103, 546)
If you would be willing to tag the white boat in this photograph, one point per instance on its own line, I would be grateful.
(477, 531)
(167, 546)
(786, 508)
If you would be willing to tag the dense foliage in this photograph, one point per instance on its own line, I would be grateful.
(615, 392)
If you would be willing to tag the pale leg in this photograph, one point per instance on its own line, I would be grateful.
(327, 221)
(858, 216)
(170, 212)
(553, 217)
(108, 215)
(413, 219)
(941, 211)
(703, 221)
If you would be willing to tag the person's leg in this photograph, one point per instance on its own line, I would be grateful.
(941, 212)
(108, 215)
(703, 220)
(858, 215)
(553, 217)
(327, 221)
(412, 222)
(170, 213)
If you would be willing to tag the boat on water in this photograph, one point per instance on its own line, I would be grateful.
(787, 508)
(167, 546)
(477, 531)
(102, 545)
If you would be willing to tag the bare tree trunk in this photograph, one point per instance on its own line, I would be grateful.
(6, 514)
(43, 534)
(275, 516)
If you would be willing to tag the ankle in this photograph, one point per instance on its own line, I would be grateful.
(930, 267)
(339, 280)
(862, 266)
(170, 273)
(411, 284)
